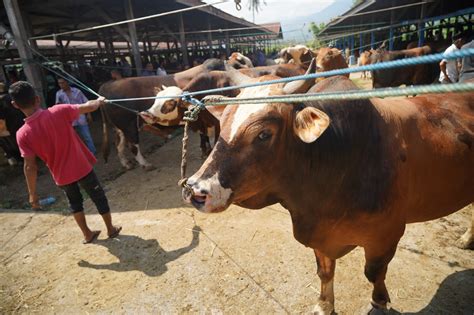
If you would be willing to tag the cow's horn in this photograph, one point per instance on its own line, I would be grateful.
(301, 86)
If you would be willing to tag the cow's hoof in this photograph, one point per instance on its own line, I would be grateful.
(467, 240)
(148, 167)
(323, 308)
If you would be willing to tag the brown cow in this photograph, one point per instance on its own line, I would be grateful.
(351, 173)
(239, 61)
(410, 75)
(126, 123)
(364, 60)
(330, 59)
(169, 112)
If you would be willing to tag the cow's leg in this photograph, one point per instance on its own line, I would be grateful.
(135, 148)
(121, 145)
(467, 240)
(326, 267)
(377, 258)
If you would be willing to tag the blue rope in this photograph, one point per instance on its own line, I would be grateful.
(373, 67)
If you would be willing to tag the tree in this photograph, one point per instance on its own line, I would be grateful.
(315, 29)
(255, 6)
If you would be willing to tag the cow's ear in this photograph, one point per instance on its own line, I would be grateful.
(310, 123)
(164, 87)
(157, 89)
(216, 111)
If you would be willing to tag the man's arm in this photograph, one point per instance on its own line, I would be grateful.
(442, 66)
(30, 169)
(91, 106)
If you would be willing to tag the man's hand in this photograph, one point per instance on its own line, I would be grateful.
(34, 202)
(91, 106)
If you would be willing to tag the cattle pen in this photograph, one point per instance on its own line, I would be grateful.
(170, 258)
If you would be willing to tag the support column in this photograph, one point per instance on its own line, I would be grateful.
(227, 44)
(209, 37)
(133, 37)
(182, 40)
(421, 25)
(361, 44)
(19, 30)
(372, 40)
(392, 22)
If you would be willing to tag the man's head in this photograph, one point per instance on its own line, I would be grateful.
(116, 74)
(23, 95)
(63, 84)
(459, 39)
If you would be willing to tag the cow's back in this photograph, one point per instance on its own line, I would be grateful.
(432, 138)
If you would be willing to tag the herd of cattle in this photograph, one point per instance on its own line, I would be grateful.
(350, 172)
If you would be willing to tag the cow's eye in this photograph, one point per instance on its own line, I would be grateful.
(264, 135)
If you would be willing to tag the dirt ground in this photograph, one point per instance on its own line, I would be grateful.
(172, 259)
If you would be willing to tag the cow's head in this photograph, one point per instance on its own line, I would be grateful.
(239, 61)
(330, 59)
(248, 162)
(165, 110)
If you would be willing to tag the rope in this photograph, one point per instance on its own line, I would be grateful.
(346, 95)
(93, 28)
(372, 67)
(184, 156)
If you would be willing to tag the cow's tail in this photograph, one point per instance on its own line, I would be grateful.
(105, 137)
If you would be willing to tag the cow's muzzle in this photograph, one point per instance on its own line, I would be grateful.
(194, 196)
(148, 117)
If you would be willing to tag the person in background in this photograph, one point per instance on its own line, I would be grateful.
(449, 68)
(160, 71)
(467, 63)
(116, 74)
(126, 68)
(72, 95)
(148, 71)
(48, 134)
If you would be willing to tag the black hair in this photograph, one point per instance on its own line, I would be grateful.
(23, 94)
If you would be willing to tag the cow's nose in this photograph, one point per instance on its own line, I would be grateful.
(195, 195)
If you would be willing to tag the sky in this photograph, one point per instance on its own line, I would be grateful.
(276, 10)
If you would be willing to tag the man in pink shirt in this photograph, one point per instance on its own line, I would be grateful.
(49, 135)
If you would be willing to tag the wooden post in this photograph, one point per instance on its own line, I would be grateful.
(133, 37)
(20, 31)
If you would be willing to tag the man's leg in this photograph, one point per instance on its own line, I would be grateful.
(91, 185)
(74, 197)
(83, 130)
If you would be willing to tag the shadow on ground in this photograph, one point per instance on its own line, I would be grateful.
(135, 253)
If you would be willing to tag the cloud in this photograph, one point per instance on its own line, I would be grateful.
(276, 10)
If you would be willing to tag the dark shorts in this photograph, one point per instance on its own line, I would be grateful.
(91, 185)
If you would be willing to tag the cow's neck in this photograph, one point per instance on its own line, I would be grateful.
(342, 173)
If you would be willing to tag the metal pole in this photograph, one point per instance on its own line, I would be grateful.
(133, 37)
(182, 39)
(209, 37)
(421, 25)
(20, 31)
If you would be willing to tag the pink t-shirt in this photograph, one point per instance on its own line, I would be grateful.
(49, 135)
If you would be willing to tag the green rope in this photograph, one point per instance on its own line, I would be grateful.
(346, 95)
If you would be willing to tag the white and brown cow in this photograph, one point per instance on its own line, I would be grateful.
(351, 173)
